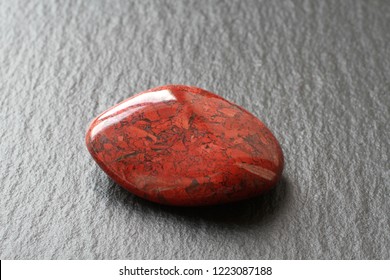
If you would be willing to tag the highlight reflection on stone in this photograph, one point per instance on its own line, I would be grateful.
(182, 145)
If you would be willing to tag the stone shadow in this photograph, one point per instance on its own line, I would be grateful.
(247, 212)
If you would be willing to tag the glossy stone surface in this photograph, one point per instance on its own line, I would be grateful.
(182, 145)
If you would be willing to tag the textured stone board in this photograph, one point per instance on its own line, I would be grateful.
(316, 73)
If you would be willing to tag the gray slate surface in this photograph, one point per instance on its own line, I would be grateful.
(316, 72)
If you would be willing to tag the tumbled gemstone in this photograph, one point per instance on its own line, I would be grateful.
(183, 145)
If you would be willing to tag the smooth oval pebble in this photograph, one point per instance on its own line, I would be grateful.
(182, 145)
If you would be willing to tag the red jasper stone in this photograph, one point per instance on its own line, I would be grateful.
(182, 145)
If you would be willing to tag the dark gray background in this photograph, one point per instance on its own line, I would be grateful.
(316, 72)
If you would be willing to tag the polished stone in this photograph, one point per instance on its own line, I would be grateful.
(182, 145)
